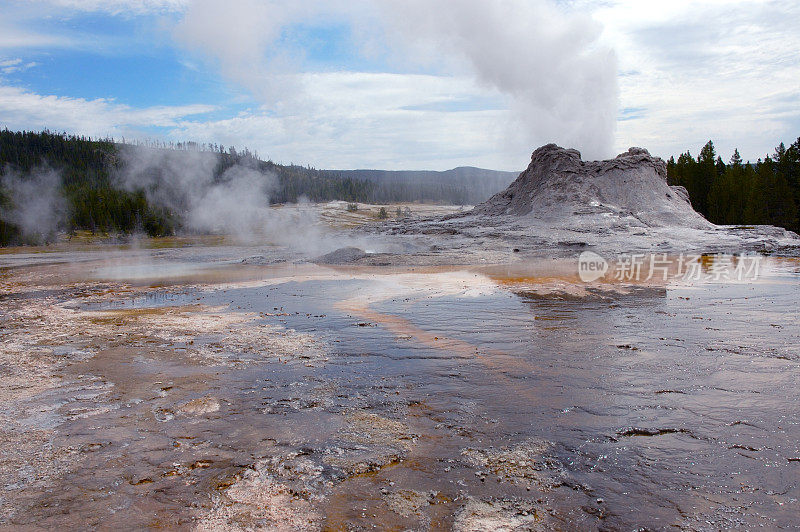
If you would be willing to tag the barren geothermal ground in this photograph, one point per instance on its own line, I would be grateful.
(412, 374)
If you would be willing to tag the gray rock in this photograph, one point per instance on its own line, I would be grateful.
(341, 256)
(559, 185)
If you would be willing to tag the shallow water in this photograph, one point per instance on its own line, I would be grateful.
(447, 397)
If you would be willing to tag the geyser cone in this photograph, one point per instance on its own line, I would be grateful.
(558, 185)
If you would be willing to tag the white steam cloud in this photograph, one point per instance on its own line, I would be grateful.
(184, 182)
(37, 206)
(559, 80)
(235, 203)
(239, 36)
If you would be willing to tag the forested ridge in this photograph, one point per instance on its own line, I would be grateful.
(742, 193)
(88, 171)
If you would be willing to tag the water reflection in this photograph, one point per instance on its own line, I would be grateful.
(513, 395)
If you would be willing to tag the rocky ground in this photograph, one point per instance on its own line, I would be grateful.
(156, 384)
(562, 205)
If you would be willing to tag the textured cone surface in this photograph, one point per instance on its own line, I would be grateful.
(558, 185)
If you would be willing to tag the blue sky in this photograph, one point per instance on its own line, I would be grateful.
(413, 84)
(123, 57)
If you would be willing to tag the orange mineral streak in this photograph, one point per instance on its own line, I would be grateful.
(500, 363)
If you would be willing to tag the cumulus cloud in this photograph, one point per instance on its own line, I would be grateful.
(519, 73)
(373, 120)
(700, 70)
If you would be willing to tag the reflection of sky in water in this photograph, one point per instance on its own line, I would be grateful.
(709, 370)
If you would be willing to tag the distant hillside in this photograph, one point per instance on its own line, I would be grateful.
(52, 182)
(459, 186)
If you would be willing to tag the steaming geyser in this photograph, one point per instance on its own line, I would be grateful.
(560, 202)
(559, 186)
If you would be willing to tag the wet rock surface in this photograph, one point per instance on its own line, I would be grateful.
(505, 515)
(245, 397)
(526, 464)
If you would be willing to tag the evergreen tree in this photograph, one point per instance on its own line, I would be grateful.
(736, 159)
(702, 178)
(767, 192)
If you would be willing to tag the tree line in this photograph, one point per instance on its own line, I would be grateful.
(742, 193)
(94, 200)
(737, 192)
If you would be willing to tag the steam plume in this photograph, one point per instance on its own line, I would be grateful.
(37, 206)
(548, 61)
(236, 203)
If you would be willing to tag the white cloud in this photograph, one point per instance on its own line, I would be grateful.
(343, 120)
(11, 66)
(12, 37)
(10, 63)
(358, 120)
(45, 25)
(21, 109)
(689, 71)
(238, 36)
(701, 70)
(116, 7)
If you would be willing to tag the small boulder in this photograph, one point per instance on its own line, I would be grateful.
(341, 256)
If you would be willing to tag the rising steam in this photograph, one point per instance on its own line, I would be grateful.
(235, 203)
(559, 80)
(35, 204)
